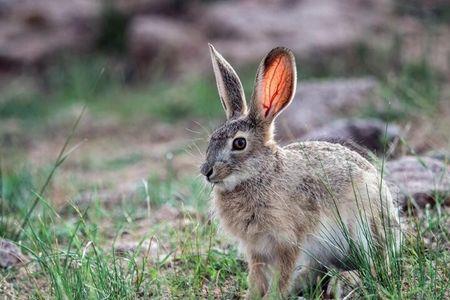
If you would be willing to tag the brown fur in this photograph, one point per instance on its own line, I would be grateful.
(280, 202)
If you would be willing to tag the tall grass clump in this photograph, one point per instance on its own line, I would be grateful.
(79, 264)
(396, 263)
(79, 269)
(17, 190)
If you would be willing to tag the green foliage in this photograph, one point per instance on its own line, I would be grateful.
(21, 105)
(164, 100)
(418, 86)
(113, 28)
(100, 84)
(16, 187)
(176, 192)
(121, 162)
(415, 91)
(428, 11)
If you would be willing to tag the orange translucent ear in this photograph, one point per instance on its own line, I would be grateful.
(275, 83)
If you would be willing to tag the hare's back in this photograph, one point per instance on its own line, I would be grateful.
(325, 155)
(332, 165)
(323, 172)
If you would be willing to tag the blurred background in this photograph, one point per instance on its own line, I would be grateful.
(142, 70)
(138, 72)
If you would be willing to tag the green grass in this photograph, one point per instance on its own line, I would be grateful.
(415, 91)
(74, 251)
(69, 255)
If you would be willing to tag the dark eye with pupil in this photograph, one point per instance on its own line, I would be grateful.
(239, 143)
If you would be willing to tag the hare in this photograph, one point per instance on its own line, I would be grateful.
(292, 209)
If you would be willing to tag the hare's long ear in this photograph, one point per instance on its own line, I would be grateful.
(230, 88)
(275, 84)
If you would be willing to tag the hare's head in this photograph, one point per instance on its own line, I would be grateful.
(238, 148)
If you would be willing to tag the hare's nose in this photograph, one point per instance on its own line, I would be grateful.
(206, 170)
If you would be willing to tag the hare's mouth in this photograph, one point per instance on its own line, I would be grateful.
(215, 181)
(219, 175)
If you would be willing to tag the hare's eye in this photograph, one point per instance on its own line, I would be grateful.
(239, 143)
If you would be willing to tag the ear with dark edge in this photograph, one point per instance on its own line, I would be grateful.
(275, 84)
(231, 92)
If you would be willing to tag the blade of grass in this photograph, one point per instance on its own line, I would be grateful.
(59, 160)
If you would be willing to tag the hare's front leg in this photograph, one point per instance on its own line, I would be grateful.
(257, 279)
(286, 262)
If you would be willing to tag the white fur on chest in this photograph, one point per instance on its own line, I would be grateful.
(232, 181)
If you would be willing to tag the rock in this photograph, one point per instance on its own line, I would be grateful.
(33, 31)
(246, 30)
(44, 13)
(415, 43)
(10, 254)
(442, 155)
(157, 40)
(133, 7)
(5, 6)
(418, 181)
(155, 7)
(319, 102)
(371, 134)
